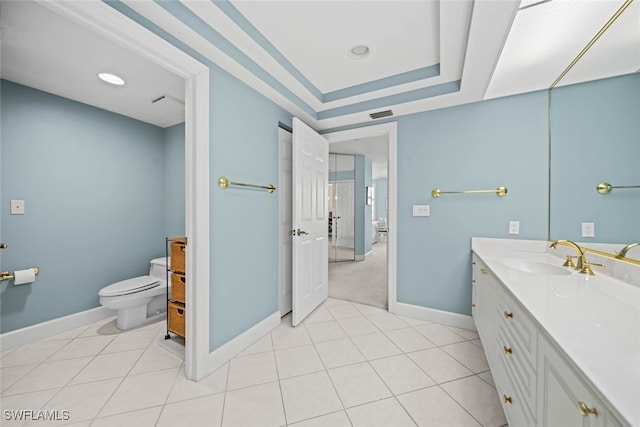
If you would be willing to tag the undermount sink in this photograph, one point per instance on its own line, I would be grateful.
(535, 267)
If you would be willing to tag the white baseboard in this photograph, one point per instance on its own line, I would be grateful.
(52, 327)
(433, 315)
(228, 351)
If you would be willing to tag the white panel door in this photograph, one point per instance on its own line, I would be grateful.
(310, 220)
(286, 224)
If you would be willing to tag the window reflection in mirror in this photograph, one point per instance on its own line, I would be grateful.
(595, 138)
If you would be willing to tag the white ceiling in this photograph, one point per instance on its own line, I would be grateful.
(316, 36)
(47, 51)
(424, 54)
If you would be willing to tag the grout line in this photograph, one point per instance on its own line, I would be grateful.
(275, 360)
(363, 314)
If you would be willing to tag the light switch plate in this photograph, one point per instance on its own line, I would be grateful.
(421, 210)
(514, 227)
(588, 229)
(17, 207)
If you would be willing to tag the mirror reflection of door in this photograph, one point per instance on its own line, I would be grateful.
(341, 207)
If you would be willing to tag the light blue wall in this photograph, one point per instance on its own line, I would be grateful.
(92, 182)
(595, 137)
(381, 197)
(244, 232)
(174, 180)
(363, 234)
(243, 147)
(469, 147)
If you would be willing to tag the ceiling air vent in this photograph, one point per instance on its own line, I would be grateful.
(381, 114)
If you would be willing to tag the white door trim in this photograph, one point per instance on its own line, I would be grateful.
(105, 20)
(390, 130)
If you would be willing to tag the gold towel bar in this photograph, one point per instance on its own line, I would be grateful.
(5, 275)
(225, 183)
(605, 187)
(500, 191)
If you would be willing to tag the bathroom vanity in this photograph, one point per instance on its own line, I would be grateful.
(563, 347)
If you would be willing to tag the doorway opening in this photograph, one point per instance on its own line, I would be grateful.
(341, 202)
(382, 233)
(371, 278)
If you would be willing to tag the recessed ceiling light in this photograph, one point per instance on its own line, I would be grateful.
(111, 79)
(358, 52)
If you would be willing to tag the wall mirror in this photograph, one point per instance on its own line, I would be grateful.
(594, 132)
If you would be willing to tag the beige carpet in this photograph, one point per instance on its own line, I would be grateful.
(364, 282)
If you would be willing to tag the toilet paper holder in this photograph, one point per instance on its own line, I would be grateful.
(5, 275)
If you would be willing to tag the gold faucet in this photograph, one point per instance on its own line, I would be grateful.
(623, 251)
(581, 258)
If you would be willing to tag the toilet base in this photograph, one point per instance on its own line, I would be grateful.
(131, 317)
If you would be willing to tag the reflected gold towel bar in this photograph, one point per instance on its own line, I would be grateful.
(500, 191)
(605, 187)
(225, 183)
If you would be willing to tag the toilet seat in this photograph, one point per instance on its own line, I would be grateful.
(130, 286)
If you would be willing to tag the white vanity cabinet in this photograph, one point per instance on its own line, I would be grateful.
(536, 383)
(564, 398)
(516, 347)
(483, 300)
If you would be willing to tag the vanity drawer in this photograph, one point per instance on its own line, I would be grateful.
(521, 375)
(178, 282)
(515, 408)
(176, 318)
(177, 251)
(520, 325)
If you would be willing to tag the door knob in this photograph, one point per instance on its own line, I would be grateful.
(301, 232)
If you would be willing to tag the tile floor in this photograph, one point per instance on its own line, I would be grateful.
(347, 365)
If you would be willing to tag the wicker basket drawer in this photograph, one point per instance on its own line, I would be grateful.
(178, 247)
(177, 287)
(175, 320)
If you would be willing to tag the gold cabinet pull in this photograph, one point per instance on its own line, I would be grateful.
(483, 271)
(508, 315)
(585, 411)
(507, 350)
(473, 305)
(507, 399)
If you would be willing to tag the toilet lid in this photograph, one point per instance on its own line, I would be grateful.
(129, 286)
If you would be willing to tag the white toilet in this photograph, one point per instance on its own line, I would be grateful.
(140, 299)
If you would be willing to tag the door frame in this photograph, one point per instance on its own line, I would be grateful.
(105, 20)
(390, 131)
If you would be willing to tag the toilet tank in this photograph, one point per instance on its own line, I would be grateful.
(158, 268)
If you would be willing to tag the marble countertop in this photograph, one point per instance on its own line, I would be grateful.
(594, 320)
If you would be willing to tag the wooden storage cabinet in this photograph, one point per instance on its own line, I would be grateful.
(178, 248)
(178, 283)
(175, 318)
(176, 298)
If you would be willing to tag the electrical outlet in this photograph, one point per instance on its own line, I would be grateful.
(421, 210)
(17, 207)
(588, 229)
(514, 227)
